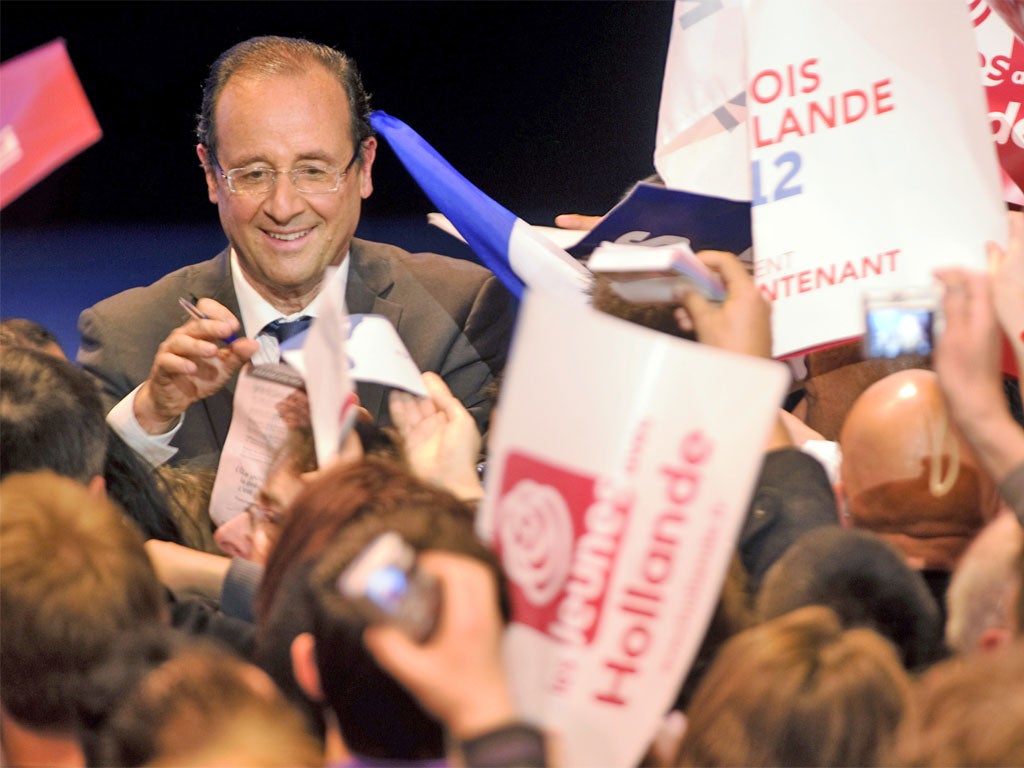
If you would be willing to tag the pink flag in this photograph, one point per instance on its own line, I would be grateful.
(45, 117)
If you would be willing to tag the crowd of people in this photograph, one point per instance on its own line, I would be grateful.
(873, 612)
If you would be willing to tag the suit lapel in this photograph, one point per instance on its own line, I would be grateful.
(369, 280)
(222, 289)
(215, 283)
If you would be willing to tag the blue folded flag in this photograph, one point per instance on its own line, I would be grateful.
(507, 245)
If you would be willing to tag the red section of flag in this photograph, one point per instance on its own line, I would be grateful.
(45, 117)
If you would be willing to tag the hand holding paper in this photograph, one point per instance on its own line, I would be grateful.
(579, 221)
(742, 323)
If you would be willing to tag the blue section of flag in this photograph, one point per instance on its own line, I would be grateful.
(650, 212)
(484, 224)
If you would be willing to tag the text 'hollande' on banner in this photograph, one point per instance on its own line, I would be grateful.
(619, 476)
(872, 163)
(45, 118)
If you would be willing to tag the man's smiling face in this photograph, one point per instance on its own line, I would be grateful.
(284, 238)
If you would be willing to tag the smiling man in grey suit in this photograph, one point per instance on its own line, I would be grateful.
(287, 150)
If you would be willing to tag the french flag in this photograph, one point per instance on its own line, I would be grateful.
(507, 245)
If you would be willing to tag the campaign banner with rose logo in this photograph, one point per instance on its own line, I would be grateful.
(619, 474)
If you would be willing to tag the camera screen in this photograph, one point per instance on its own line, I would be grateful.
(386, 587)
(895, 331)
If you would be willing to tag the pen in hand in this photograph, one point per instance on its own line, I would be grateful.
(195, 312)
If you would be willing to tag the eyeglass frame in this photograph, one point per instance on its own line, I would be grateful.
(226, 175)
(260, 513)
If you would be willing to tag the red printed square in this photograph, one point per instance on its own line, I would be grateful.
(557, 533)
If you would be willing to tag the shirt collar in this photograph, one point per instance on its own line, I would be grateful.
(255, 311)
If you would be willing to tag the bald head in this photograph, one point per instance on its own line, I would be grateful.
(909, 475)
(837, 376)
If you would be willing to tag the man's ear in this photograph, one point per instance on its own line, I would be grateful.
(303, 652)
(97, 486)
(206, 161)
(369, 153)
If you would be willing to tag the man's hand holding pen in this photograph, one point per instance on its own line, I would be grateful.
(191, 365)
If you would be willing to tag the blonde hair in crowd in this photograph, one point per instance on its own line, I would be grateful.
(797, 690)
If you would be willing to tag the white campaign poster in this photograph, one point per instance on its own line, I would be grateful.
(619, 474)
(871, 156)
(332, 401)
(377, 353)
(701, 139)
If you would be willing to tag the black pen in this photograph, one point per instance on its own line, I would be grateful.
(193, 310)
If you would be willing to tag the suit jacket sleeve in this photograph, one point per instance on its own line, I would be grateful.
(120, 337)
(487, 330)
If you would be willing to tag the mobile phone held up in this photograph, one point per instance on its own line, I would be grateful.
(902, 321)
(385, 585)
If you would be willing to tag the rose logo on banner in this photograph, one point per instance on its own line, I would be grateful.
(558, 534)
(537, 533)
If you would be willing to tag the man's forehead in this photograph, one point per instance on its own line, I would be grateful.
(262, 93)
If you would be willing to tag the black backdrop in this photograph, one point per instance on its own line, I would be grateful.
(548, 107)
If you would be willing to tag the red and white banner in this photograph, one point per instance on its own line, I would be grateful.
(869, 142)
(45, 117)
(1001, 54)
(872, 162)
(615, 514)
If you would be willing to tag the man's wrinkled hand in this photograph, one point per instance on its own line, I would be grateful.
(191, 364)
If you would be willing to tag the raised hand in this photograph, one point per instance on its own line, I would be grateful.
(742, 323)
(458, 674)
(440, 437)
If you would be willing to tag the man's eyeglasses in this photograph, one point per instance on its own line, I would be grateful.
(308, 178)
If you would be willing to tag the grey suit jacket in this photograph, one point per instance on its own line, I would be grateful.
(454, 317)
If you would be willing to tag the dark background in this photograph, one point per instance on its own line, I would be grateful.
(548, 107)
